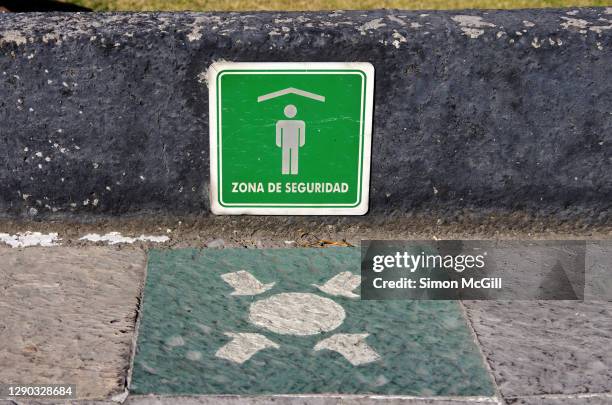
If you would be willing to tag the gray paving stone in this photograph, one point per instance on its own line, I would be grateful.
(68, 317)
(598, 268)
(604, 399)
(52, 402)
(546, 347)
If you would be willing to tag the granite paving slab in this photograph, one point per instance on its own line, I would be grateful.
(58, 402)
(598, 268)
(288, 321)
(546, 347)
(597, 399)
(68, 316)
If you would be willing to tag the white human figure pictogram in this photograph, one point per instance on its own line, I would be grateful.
(290, 137)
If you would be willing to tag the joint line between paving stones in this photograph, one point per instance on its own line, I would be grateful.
(498, 394)
(139, 312)
(565, 396)
(475, 399)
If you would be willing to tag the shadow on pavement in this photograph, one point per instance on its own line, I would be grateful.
(38, 5)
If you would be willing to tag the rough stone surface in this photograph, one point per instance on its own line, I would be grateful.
(58, 402)
(598, 264)
(596, 399)
(108, 113)
(536, 347)
(68, 317)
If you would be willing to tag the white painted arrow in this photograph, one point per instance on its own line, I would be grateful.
(342, 284)
(244, 283)
(350, 345)
(243, 346)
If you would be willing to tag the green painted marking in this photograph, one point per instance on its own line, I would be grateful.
(290, 140)
(422, 348)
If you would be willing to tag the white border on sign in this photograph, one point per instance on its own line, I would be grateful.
(218, 67)
(312, 205)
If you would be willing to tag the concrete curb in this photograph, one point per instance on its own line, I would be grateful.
(492, 112)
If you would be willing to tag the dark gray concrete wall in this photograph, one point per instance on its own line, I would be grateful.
(507, 111)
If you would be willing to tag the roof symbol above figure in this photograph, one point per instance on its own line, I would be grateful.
(291, 90)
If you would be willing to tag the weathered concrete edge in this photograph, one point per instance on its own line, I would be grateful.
(323, 400)
(256, 232)
(74, 155)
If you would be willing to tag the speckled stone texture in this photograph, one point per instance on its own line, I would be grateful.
(67, 317)
(536, 347)
(600, 399)
(425, 348)
(598, 271)
(52, 402)
(487, 112)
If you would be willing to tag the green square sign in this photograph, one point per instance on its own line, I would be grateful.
(290, 138)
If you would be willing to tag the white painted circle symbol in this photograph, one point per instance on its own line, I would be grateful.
(298, 314)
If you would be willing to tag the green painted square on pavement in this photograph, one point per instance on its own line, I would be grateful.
(289, 321)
